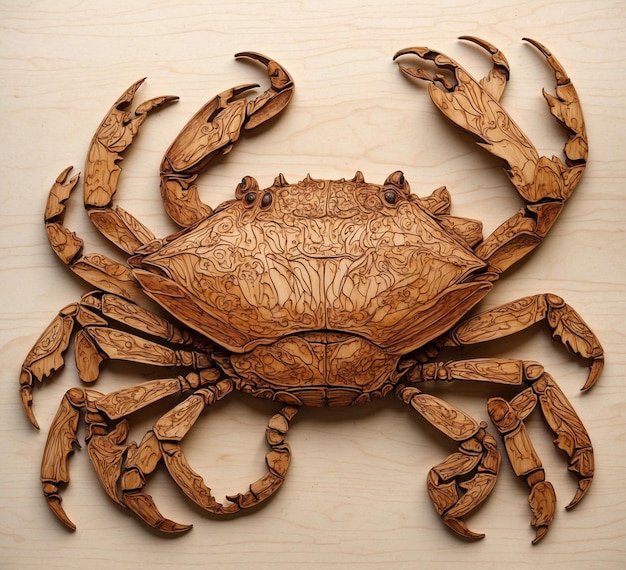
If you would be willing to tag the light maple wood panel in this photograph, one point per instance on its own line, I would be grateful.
(355, 495)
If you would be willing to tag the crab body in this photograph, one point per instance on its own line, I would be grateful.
(319, 293)
(316, 288)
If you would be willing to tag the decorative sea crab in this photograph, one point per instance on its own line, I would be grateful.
(319, 293)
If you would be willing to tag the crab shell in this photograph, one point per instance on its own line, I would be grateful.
(304, 284)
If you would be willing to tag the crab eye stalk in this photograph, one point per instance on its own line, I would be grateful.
(396, 179)
(247, 186)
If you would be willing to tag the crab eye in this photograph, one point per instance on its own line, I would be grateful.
(250, 197)
(266, 200)
(391, 197)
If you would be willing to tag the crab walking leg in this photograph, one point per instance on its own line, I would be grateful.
(60, 445)
(99, 343)
(62, 442)
(212, 131)
(544, 184)
(45, 358)
(508, 417)
(102, 171)
(142, 460)
(510, 318)
(464, 479)
(170, 430)
(104, 443)
(277, 461)
(98, 270)
(96, 309)
(571, 437)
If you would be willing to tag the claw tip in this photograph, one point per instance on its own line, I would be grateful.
(253, 55)
(581, 491)
(541, 532)
(173, 527)
(594, 373)
(26, 395)
(461, 529)
(55, 506)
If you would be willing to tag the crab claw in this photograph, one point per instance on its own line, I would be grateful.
(213, 130)
(474, 106)
(276, 98)
(494, 83)
(441, 60)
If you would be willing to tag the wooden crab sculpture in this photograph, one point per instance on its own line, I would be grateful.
(319, 293)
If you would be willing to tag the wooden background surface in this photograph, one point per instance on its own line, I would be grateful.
(355, 495)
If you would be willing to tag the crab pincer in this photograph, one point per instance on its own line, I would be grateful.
(212, 131)
(543, 183)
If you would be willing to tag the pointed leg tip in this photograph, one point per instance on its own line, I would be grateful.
(581, 491)
(144, 507)
(541, 532)
(398, 54)
(31, 418)
(595, 370)
(26, 395)
(55, 506)
(418, 51)
(172, 527)
(458, 526)
(481, 43)
(253, 55)
(538, 45)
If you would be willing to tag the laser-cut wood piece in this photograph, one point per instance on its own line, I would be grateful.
(318, 293)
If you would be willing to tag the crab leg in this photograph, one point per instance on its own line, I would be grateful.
(98, 270)
(172, 427)
(104, 444)
(212, 131)
(115, 133)
(508, 417)
(566, 324)
(544, 184)
(60, 445)
(131, 465)
(102, 171)
(96, 341)
(464, 479)
(104, 447)
(142, 460)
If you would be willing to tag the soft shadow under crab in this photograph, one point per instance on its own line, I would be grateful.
(318, 293)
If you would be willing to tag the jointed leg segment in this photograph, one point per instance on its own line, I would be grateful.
(105, 439)
(123, 468)
(463, 480)
(508, 319)
(566, 324)
(508, 418)
(99, 316)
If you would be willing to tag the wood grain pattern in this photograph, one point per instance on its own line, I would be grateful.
(587, 285)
